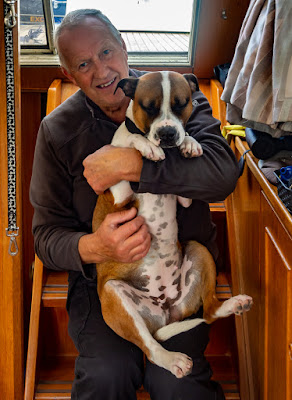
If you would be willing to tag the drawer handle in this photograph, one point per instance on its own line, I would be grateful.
(290, 351)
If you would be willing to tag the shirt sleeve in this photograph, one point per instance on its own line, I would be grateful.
(55, 226)
(210, 177)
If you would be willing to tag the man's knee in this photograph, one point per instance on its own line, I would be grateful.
(110, 379)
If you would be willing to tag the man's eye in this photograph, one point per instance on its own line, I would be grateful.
(106, 52)
(83, 65)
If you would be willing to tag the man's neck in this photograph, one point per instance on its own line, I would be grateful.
(117, 114)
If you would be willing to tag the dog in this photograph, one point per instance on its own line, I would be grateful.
(147, 301)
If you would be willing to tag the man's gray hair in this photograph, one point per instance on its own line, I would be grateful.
(76, 18)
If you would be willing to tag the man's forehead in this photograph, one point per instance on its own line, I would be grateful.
(80, 41)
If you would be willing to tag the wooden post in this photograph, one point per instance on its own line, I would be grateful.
(11, 312)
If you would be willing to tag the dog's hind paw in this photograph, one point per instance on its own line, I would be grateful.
(235, 305)
(181, 365)
(178, 364)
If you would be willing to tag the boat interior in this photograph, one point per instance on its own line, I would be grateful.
(250, 355)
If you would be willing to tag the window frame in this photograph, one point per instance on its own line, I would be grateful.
(48, 56)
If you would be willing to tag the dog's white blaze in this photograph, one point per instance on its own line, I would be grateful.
(166, 117)
(165, 108)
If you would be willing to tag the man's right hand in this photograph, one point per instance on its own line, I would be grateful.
(109, 165)
(123, 237)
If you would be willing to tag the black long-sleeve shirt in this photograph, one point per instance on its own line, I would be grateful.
(64, 202)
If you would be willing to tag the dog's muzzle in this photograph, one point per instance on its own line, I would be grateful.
(168, 136)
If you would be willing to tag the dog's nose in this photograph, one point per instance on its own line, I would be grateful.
(167, 136)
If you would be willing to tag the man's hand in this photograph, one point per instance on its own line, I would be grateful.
(122, 237)
(109, 165)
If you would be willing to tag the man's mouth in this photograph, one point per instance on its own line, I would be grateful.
(105, 85)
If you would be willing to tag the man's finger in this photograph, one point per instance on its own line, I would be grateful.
(120, 217)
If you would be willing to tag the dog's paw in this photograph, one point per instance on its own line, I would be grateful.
(242, 303)
(152, 152)
(181, 364)
(235, 305)
(190, 147)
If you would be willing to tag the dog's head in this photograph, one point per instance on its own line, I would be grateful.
(162, 105)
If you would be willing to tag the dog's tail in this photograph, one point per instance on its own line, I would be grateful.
(175, 328)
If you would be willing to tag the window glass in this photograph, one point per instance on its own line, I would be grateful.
(156, 32)
(147, 26)
(32, 24)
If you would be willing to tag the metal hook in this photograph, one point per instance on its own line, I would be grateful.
(13, 248)
(10, 17)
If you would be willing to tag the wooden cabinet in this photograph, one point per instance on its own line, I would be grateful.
(260, 239)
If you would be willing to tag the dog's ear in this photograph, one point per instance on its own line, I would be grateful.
(192, 81)
(128, 85)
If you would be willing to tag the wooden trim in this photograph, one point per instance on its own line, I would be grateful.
(34, 330)
(11, 292)
(54, 95)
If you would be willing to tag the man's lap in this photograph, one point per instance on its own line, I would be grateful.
(107, 356)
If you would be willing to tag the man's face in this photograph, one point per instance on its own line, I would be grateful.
(95, 61)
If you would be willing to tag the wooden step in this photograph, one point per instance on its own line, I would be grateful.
(56, 377)
(55, 289)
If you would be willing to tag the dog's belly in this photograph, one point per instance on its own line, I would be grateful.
(159, 289)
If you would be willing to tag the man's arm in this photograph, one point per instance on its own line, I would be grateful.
(210, 177)
(109, 165)
(62, 241)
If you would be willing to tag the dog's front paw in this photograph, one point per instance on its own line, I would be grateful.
(190, 147)
(152, 152)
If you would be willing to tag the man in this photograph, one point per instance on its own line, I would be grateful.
(94, 57)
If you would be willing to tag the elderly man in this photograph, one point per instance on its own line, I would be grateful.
(73, 164)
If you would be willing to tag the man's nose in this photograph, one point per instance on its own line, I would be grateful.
(100, 69)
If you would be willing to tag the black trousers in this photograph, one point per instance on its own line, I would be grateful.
(111, 368)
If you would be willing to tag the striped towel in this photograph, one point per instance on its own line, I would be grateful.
(258, 89)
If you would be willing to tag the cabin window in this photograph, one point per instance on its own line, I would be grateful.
(156, 32)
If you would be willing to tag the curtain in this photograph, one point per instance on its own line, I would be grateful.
(258, 89)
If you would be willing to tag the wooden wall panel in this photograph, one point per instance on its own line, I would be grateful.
(11, 321)
(217, 37)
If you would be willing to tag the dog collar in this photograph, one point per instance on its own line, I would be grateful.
(132, 128)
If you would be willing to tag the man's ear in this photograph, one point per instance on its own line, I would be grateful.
(68, 76)
(192, 81)
(128, 85)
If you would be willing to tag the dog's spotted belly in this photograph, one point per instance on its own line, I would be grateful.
(158, 290)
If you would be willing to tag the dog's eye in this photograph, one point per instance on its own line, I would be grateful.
(150, 109)
(178, 106)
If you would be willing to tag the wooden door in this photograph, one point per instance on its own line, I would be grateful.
(11, 326)
(276, 256)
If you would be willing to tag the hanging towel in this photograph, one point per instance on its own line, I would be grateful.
(258, 89)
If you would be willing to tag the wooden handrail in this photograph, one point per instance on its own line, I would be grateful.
(34, 330)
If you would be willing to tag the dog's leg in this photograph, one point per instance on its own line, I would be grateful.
(123, 138)
(202, 290)
(123, 311)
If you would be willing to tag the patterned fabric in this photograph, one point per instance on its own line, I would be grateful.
(258, 89)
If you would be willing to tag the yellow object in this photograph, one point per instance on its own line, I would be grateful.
(233, 130)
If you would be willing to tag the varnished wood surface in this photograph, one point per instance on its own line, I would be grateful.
(217, 37)
(11, 314)
(261, 261)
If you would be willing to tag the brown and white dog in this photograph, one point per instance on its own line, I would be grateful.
(148, 300)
